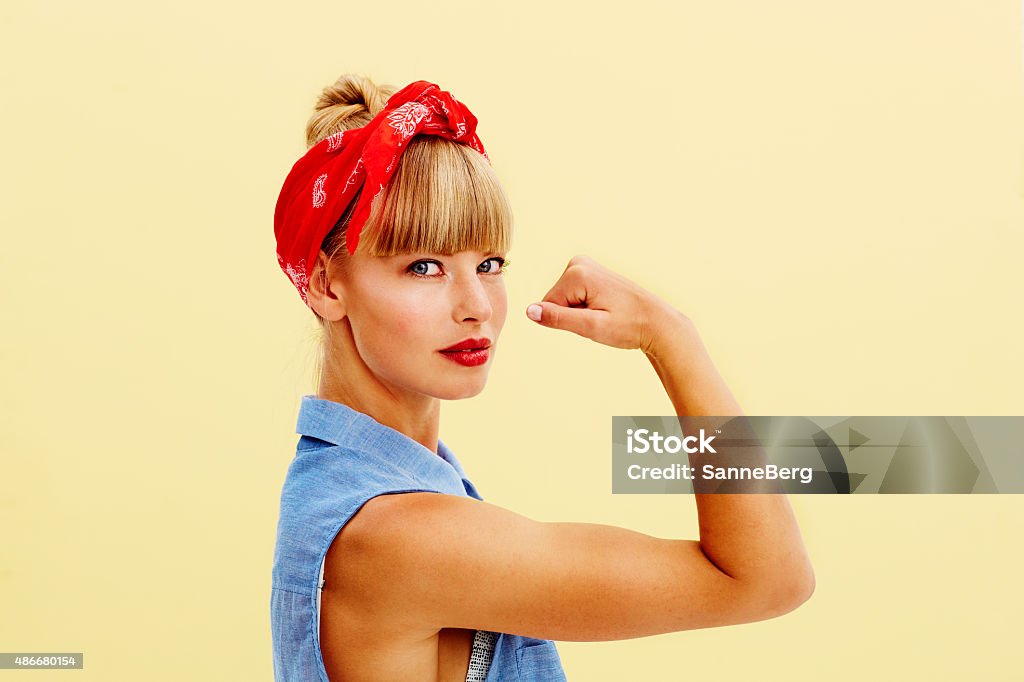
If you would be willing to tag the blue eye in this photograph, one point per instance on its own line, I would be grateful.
(421, 268)
(491, 266)
(502, 264)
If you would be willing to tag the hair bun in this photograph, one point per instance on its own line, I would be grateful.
(350, 102)
(351, 89)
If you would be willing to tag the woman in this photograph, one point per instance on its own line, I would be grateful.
(388, 564)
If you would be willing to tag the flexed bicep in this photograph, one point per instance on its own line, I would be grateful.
(448, 561)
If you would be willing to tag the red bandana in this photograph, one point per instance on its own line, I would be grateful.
(323, 182)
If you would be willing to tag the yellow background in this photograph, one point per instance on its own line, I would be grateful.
(834, 191)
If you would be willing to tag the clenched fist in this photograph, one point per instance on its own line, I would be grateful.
(602, 305)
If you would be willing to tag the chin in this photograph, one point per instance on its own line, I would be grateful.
(463, 392)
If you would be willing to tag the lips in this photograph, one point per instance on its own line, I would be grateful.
(469, 352)
(468, 344)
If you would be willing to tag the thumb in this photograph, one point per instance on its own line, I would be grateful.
(577, 320)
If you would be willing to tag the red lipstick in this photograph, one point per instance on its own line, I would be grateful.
(469, 352)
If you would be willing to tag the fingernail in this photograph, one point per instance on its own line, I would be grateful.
(533, 312)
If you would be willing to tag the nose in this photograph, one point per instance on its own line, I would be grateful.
(470, 300)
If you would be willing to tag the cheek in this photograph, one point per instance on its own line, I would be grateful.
(392, 320)
(499, 304)
(409, 325)
(388, 335)
(417, 316)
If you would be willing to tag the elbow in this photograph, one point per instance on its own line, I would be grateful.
(771, 598)
(778, 595)
(793, 591)
(804, 589)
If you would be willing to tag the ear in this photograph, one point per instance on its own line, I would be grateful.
(325, 296)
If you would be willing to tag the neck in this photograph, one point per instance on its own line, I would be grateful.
(346, 379)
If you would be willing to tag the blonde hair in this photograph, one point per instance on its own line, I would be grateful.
(444, 196)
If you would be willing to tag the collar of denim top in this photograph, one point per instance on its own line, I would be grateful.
(343, 426)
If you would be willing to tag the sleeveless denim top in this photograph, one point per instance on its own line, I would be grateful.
(342, 460)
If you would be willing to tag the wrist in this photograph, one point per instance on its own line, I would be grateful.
(668, 329)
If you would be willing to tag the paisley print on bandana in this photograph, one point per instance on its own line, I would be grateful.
(405, 118)
(334, 140)
(319, 197)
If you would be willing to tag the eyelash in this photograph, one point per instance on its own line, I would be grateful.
(504, 263)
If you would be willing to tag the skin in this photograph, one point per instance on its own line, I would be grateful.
(411, 576)
(390, 318)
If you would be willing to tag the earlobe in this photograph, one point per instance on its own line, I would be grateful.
(325, 296)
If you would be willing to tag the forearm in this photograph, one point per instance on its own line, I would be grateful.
(753, 538)
(684, 366)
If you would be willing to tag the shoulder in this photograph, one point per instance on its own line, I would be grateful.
(381, 552)
(391, 524)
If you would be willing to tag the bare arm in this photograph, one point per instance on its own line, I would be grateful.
(430, 561)
(753, 538)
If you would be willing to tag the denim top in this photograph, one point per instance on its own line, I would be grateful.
(343, 459)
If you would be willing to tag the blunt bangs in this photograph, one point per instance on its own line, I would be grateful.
(443, 198)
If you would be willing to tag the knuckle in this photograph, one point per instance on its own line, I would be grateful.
(578, 268)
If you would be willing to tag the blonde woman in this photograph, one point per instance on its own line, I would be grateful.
(389, 565)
